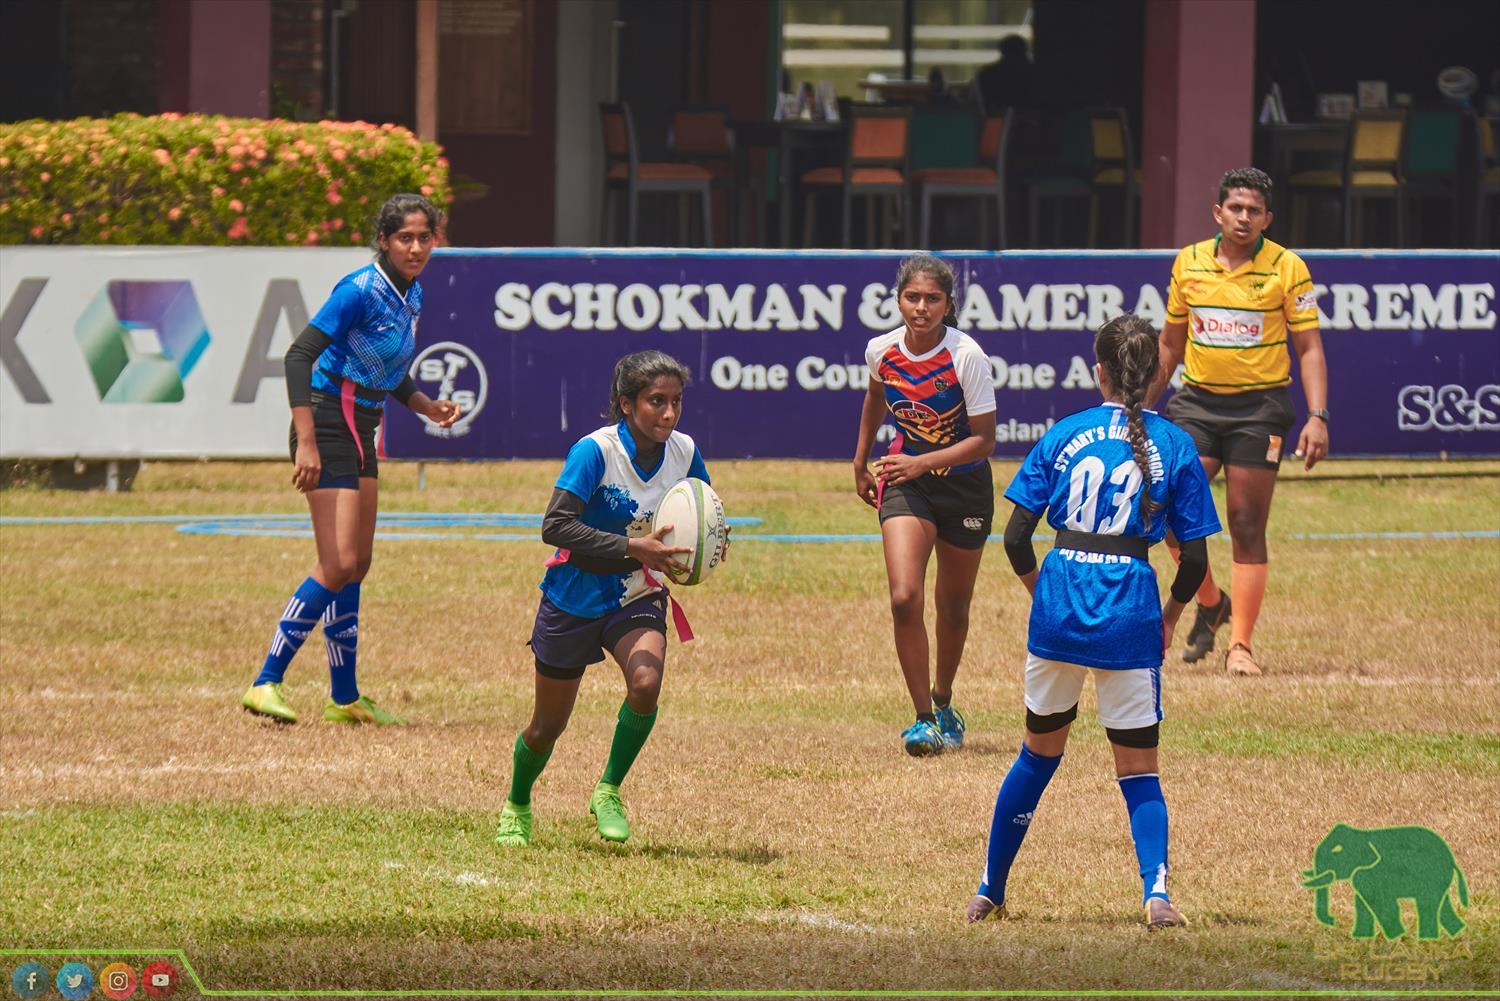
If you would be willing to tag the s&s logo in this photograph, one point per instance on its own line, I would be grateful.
(1448, 408)
(450, 371)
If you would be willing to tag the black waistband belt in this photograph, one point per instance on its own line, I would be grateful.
(1109, 545)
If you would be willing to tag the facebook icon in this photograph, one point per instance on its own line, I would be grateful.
(30, 980)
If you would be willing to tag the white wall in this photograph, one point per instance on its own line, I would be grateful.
(583, 80)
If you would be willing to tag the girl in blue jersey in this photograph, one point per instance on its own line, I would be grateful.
(933, 488)
(1111, 480)
(602, 592)
(353, 354)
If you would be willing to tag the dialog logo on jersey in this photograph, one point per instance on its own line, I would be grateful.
(1229, 328)
(450, 371)
(1448, 408)
(141, 339)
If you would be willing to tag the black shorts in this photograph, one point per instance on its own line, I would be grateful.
(961, 505)
(342, 464)
(565, 644)
(1239, 429)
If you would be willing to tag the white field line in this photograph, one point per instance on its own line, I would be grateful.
(825, 921)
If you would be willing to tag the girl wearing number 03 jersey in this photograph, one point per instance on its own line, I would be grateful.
(601, 592)
(933, 488)
(1111, 480)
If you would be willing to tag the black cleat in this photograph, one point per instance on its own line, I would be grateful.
(1200, 639)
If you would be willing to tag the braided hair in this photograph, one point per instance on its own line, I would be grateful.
(1126, 349)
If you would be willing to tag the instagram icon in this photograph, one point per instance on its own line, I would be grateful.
(117, 980)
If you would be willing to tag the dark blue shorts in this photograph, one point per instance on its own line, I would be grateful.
(565, 645)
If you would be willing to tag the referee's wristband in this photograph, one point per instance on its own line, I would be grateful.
(1321, 413)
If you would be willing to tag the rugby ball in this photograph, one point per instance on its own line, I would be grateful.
(697, 518)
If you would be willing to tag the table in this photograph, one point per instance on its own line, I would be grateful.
(788, 138)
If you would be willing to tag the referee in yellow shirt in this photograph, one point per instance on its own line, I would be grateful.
(1235, 302)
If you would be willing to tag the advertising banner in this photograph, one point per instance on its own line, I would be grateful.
(153, 352)
(176, 352)
(526, 341)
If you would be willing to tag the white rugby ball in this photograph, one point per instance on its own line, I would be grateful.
(697, 518)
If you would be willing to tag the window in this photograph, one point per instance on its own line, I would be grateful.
(851, 43)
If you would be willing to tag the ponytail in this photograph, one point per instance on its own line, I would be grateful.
(1126, 348)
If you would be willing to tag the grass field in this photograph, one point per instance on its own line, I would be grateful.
(783, 840)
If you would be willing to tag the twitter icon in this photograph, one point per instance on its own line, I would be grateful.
(75, 982)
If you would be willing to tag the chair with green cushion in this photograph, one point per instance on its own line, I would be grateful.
(983, 182)
(1374, 168)
(1434, 141)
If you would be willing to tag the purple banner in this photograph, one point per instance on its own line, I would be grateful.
(526, 342)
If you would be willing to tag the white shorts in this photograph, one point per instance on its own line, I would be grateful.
(1128, 700)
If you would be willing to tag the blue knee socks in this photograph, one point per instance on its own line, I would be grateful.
(297, 620)
(1019, 795)
(341, 636)
(1148, 827)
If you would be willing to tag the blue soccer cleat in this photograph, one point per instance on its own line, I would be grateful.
(922, 739)
(950, 723)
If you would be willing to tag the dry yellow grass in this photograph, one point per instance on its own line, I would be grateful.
(783, 841)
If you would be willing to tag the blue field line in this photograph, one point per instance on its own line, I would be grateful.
(297, 526)
(416, 519)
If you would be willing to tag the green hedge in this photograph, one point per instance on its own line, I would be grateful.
(207, 180)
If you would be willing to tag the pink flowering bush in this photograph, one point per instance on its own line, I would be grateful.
(207, 180)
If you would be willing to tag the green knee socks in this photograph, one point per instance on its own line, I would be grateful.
(526, 765)
(630, 736)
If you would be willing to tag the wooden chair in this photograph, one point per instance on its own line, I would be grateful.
(701, 135)
(983, 182)
(875, 166)
(1374, 168)
(1114, 171)
(625, 173)
(1489, 184)
(1089, 156)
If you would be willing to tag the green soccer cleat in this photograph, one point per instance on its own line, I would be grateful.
(515, 826)
(609, 811)
(266, 700)
(361, 710)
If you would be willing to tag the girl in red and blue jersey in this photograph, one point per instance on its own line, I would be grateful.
(339, 371)
(1111, 480)
(933, 488)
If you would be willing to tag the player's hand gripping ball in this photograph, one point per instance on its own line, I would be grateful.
(697, 518)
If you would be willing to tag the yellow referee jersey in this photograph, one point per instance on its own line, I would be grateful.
(1238, 320)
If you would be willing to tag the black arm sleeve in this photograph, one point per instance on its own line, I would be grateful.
(300, 359)
(1191, 569)
(1018, 532)
(592, 551)
(403, 393)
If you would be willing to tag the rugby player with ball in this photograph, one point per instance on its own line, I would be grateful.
(601, 592)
